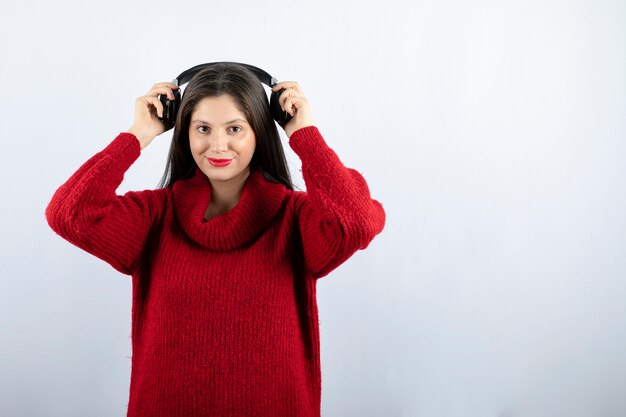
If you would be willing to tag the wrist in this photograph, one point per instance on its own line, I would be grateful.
(296, 128)
(143, 137)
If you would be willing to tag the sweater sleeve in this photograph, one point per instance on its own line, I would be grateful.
(337, 215)
(86, 211)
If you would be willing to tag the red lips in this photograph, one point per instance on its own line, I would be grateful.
(219, 162)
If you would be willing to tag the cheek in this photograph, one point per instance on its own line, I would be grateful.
(244, 146)
(194, 144)
(251, 145)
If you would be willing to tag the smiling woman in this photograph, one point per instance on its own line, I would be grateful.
(225, 259)
(245, 98)
(222, 148)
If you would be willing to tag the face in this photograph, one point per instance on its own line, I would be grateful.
(219, 130)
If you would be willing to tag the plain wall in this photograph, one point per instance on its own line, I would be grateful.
(493, 133)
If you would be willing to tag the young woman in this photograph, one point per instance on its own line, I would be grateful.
(224, 258)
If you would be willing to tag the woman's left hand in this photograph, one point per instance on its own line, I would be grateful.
(292, 100)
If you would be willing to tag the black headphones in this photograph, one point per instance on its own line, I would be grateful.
(170, 108)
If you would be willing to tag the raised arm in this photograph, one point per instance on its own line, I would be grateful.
(87, 212)
(337, 215)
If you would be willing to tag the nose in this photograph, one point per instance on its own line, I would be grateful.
(218, 142)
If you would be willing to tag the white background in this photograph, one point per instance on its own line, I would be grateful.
(493, 133)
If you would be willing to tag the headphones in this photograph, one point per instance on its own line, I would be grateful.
(170, 108)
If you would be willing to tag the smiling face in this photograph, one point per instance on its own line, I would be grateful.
(219, 130)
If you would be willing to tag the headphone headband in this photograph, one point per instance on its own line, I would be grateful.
(187, 75)
(170, 107)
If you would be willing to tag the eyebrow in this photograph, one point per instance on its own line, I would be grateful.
(227, 123)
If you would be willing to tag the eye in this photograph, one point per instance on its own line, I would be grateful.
(203, 131)
(236, 127)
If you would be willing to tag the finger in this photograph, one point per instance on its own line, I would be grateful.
(286, 95)
(289, 92)
(155, 91)
(153, 102)
(292, 104)
(283, 98)
(158, 105)
(298, 103)
(289, 85)
(170, 86)
(166, 84)
(285, 84)
(165, 90)
(287, 106)
(278, 86)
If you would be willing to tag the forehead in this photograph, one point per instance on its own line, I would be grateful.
(217, 108)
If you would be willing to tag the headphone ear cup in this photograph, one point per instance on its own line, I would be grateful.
(278, 114)
(170, 108)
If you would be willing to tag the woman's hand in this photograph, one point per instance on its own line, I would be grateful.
(148, 109)
(292, 101)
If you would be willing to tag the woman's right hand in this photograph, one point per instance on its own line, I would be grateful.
(148, 109)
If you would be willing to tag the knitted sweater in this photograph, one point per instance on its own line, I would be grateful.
(224, 312)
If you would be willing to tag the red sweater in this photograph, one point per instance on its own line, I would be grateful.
(224, 312)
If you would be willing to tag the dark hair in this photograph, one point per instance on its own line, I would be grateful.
(250, 97)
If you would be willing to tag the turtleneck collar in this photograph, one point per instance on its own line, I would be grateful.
(259, 203)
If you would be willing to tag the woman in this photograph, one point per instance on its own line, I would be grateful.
(224, 259)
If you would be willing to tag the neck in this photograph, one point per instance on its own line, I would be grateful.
(226, 194)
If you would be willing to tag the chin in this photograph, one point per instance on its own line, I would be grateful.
(222, 174)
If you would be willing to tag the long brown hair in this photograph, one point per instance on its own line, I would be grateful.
(248, 93)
